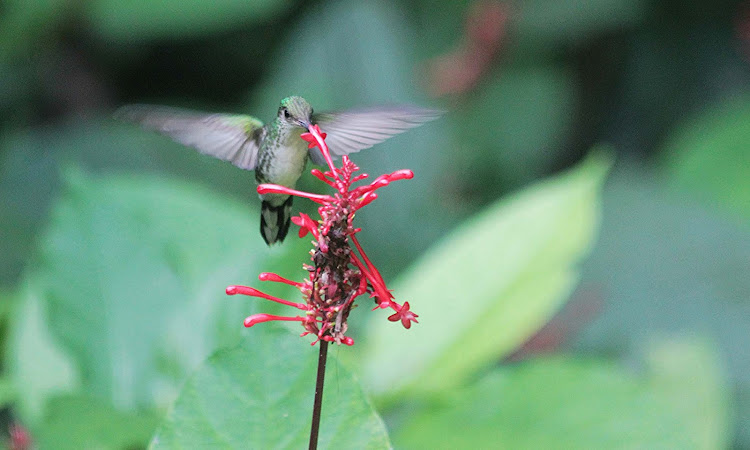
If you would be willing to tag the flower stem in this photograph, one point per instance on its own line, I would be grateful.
(318, 404)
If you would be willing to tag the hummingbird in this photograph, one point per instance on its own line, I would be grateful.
(275, 151)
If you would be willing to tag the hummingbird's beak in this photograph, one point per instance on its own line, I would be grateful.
(305, 124)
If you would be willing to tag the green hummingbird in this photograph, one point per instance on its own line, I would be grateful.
(275, 150)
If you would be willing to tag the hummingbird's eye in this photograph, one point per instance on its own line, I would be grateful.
(286, 113)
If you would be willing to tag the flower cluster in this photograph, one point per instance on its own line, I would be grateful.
(339, 273)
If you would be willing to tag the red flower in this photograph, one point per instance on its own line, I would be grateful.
(405, 316)
(339, 273)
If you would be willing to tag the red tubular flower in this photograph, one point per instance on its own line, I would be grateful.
(339, 272)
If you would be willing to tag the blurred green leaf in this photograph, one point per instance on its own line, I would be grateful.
(564, 403)
(131, 273)
(35, 360)
(78, 422)
(509, 150)
(551, 23)
(259, 395)
(7, 391)
(709, 156)
(664, 264)
(127, 21)
(485, 289)
(23, 22)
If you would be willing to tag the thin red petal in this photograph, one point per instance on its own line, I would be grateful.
(269, 276)
(319, 138)
(260, 318)
(367, 199)
(252, 292)
(278, 189)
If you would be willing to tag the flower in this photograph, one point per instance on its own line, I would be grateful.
(339, 273)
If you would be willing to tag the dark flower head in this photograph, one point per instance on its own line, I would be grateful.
(339, 272)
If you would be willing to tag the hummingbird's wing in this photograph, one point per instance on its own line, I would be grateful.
(354, 130)
(233, 138)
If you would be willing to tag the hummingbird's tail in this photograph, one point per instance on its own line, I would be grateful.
(275, 220)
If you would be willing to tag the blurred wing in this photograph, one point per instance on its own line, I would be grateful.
(233, 138)
(352, 131)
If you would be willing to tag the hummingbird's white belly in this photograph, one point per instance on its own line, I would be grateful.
(284, 166)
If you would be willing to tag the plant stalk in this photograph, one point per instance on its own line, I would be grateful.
(318, 404)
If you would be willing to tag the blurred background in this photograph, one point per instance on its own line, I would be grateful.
(530, 87)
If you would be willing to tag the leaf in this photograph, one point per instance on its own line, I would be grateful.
(565, 403)
(260, 395)
(513, 149)
(24, 22)
(489, 286)
(37, 365)
(709, 156)
(131, 275)
(126, 21)
(76, 422)
(7, 392)
(551, 23)
(665, 264)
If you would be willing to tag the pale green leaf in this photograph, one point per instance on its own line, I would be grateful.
(489, 286)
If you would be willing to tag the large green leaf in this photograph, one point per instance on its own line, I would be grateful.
(76, 422)
(123, 20)
(561, 403)
(130, 279)
(709, 156)
(260, 395)
(490, 285)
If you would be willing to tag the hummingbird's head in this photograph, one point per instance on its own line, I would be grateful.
(296, 112)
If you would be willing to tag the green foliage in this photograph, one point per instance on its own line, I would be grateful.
(129, 280)
(117, 281)
(35, 361)
(489, 286)
(519, 148)
(663, 265)
(259, 395)
(7, 392)
(709, 156)
(567, 403)
(551, 23)
(126, 21)
(76, 422)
